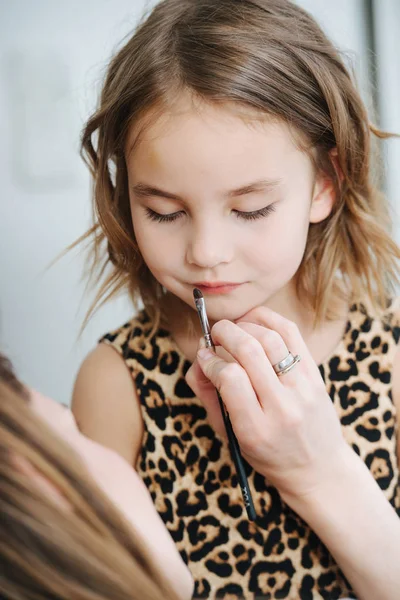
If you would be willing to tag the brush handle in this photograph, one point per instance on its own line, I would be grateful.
(232, 440)
(238, 460)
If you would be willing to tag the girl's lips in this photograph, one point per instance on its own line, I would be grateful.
(224, 288)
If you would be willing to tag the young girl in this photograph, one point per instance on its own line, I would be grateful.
(231, 152)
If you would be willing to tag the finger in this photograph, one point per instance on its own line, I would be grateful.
(271, 342)
(289, 332)
(275, 350)
(205, 392)
(250, 354)
(236, 391)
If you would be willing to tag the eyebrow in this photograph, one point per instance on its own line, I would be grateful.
(143, 190)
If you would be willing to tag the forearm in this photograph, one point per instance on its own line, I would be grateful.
(359, 527)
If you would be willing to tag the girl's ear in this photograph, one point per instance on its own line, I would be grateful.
(324, 194)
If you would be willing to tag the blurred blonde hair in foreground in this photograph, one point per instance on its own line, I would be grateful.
(83, 548)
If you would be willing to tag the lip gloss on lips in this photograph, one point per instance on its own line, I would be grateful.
(223, 288)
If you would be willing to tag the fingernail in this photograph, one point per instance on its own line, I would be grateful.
(205, 354)
(202, 343)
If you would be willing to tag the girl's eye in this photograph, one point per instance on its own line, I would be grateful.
(246, 216)
(155, 216)
(255, 214)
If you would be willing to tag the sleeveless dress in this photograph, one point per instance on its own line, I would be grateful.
(189, 473)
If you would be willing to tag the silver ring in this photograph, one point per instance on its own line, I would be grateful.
(280, 366)
(287, 364)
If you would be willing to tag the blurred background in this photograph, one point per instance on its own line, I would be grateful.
(53, 56)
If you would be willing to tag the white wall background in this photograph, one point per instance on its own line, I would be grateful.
(387, 20)
(52, 57)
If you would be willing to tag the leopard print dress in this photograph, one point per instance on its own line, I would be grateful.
(188, 470)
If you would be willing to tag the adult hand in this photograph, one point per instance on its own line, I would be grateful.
(286, 426)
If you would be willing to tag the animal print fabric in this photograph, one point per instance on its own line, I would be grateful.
(189, 473)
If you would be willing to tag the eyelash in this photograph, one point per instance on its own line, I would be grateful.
(246, 216)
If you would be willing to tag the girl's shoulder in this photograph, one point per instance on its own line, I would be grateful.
(367, 320)
(369, 337)
(133, 330)
(139, 339)
(392, 317)
(393, 311)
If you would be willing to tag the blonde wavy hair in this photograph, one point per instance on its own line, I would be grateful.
(88, 552)
(264, 55)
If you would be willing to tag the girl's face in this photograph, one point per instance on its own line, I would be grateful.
(223, 205)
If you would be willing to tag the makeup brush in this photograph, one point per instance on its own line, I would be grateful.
(232, 440)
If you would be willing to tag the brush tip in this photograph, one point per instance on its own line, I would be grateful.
(197, 294)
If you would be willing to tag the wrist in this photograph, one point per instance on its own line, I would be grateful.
(355, 521)
(343, 476)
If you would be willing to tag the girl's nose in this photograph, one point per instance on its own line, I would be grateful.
(209, 246)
